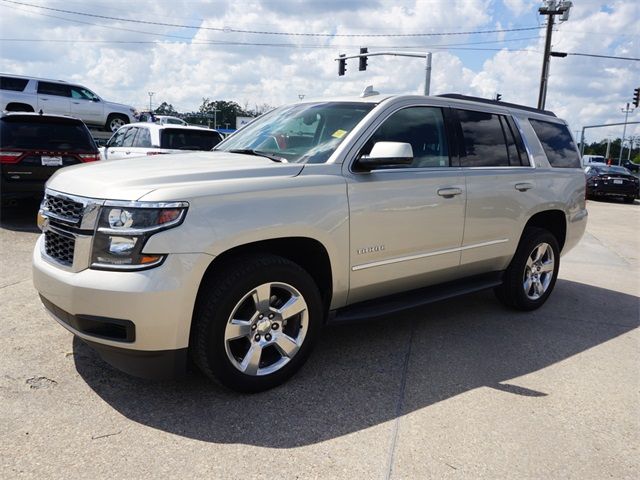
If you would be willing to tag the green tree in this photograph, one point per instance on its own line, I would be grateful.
(225, 112)
(165, 109)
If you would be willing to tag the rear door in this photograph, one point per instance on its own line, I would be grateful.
(141, 143)
(86, 105)
(54, 98)
(501, 188)
(406, 222)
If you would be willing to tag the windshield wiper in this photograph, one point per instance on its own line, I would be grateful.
(258, 153)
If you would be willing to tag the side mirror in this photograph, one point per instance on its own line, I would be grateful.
(386, 154)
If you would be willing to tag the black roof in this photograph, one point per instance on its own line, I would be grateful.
(457, 96)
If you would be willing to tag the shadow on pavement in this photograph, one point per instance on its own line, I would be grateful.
(359, 375)
(20, 217)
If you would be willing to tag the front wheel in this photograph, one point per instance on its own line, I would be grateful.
(532, 274)
(256, 322)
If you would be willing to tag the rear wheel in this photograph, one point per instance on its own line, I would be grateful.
(629, 199)
(19, 107)
(532, 274)
(115, 121)
(256, 322)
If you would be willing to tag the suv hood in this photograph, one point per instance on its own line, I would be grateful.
(130, 179)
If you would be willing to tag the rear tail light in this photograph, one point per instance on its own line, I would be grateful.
(156, 153)
(89, 157)
(10, 157)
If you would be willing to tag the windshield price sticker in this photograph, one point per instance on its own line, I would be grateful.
(51, 161)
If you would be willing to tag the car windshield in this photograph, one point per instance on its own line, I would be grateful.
(42, 133)
(303, 133)
(613, 169)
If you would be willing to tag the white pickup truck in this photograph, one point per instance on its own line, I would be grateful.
(56, 97)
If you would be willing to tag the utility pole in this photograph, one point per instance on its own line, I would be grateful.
(215, 118)
(606, 155)
(550, 9)
(626, 112)
(151, 94)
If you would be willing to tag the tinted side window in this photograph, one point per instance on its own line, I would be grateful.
(557, 144)
(143, 139)
(423, 128)
(14, 84)
(184, 139)
(48, 88)
(116, 139)
(483, 142)
(127, 141)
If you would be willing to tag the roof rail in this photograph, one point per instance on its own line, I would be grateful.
(469, 98)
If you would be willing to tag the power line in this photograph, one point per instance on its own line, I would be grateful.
(227, 42)
(604, 56)
(265, 32)
(284, 45)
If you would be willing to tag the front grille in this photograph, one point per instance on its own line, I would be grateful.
(64, 207)
(59, 247)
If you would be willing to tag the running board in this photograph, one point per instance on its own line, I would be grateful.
(399, 302)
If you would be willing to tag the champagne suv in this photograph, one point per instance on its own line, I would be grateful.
(325, 211)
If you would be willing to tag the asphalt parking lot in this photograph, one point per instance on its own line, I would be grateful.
(462, 388)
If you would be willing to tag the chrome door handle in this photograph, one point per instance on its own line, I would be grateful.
(128, 153)
(523, 187)
(76, 103)
(44, 99)
(449, 192)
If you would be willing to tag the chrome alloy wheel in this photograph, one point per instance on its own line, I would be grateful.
(116, 123)
(538, 271)
(266, 329)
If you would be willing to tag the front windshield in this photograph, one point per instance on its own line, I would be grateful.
(303, 133)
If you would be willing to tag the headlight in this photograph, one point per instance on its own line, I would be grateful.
(125, 227)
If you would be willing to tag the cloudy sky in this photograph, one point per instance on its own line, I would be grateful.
(272, 51)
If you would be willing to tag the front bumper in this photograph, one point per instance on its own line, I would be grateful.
(145, 312)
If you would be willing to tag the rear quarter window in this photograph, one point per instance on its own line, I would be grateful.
(557, 144)
(183, 139)
(13, 84)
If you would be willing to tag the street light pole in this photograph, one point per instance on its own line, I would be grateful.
(626, 112)
(151, 94)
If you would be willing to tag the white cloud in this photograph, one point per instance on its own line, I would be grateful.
(182, 71)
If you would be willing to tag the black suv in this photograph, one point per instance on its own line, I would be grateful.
(34, 146)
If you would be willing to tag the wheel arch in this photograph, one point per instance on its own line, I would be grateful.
(554, 221)
(19, 107)
(308, 253)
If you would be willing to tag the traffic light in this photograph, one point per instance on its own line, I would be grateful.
(363, 60)
(498, 97)
(342, 65)
(636, 97)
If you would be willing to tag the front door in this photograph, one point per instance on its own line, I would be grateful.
(406, 223)
(86, 106)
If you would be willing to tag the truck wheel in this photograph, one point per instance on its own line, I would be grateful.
(255, 322)
(629, 199)
(19, 107)
(115, 121)
(532, 274)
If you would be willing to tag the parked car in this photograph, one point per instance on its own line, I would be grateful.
(612, 181)
(593, 159)
(33, 147)
(142, 139)
(632, 167)
(316, 212)
(162, 119)
(29, 94)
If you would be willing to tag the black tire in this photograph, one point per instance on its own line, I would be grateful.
(115, 121)
(221, 294)
(512, 291)
(629, 199)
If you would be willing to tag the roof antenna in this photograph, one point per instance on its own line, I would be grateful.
(40, 112)
(368, 92)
